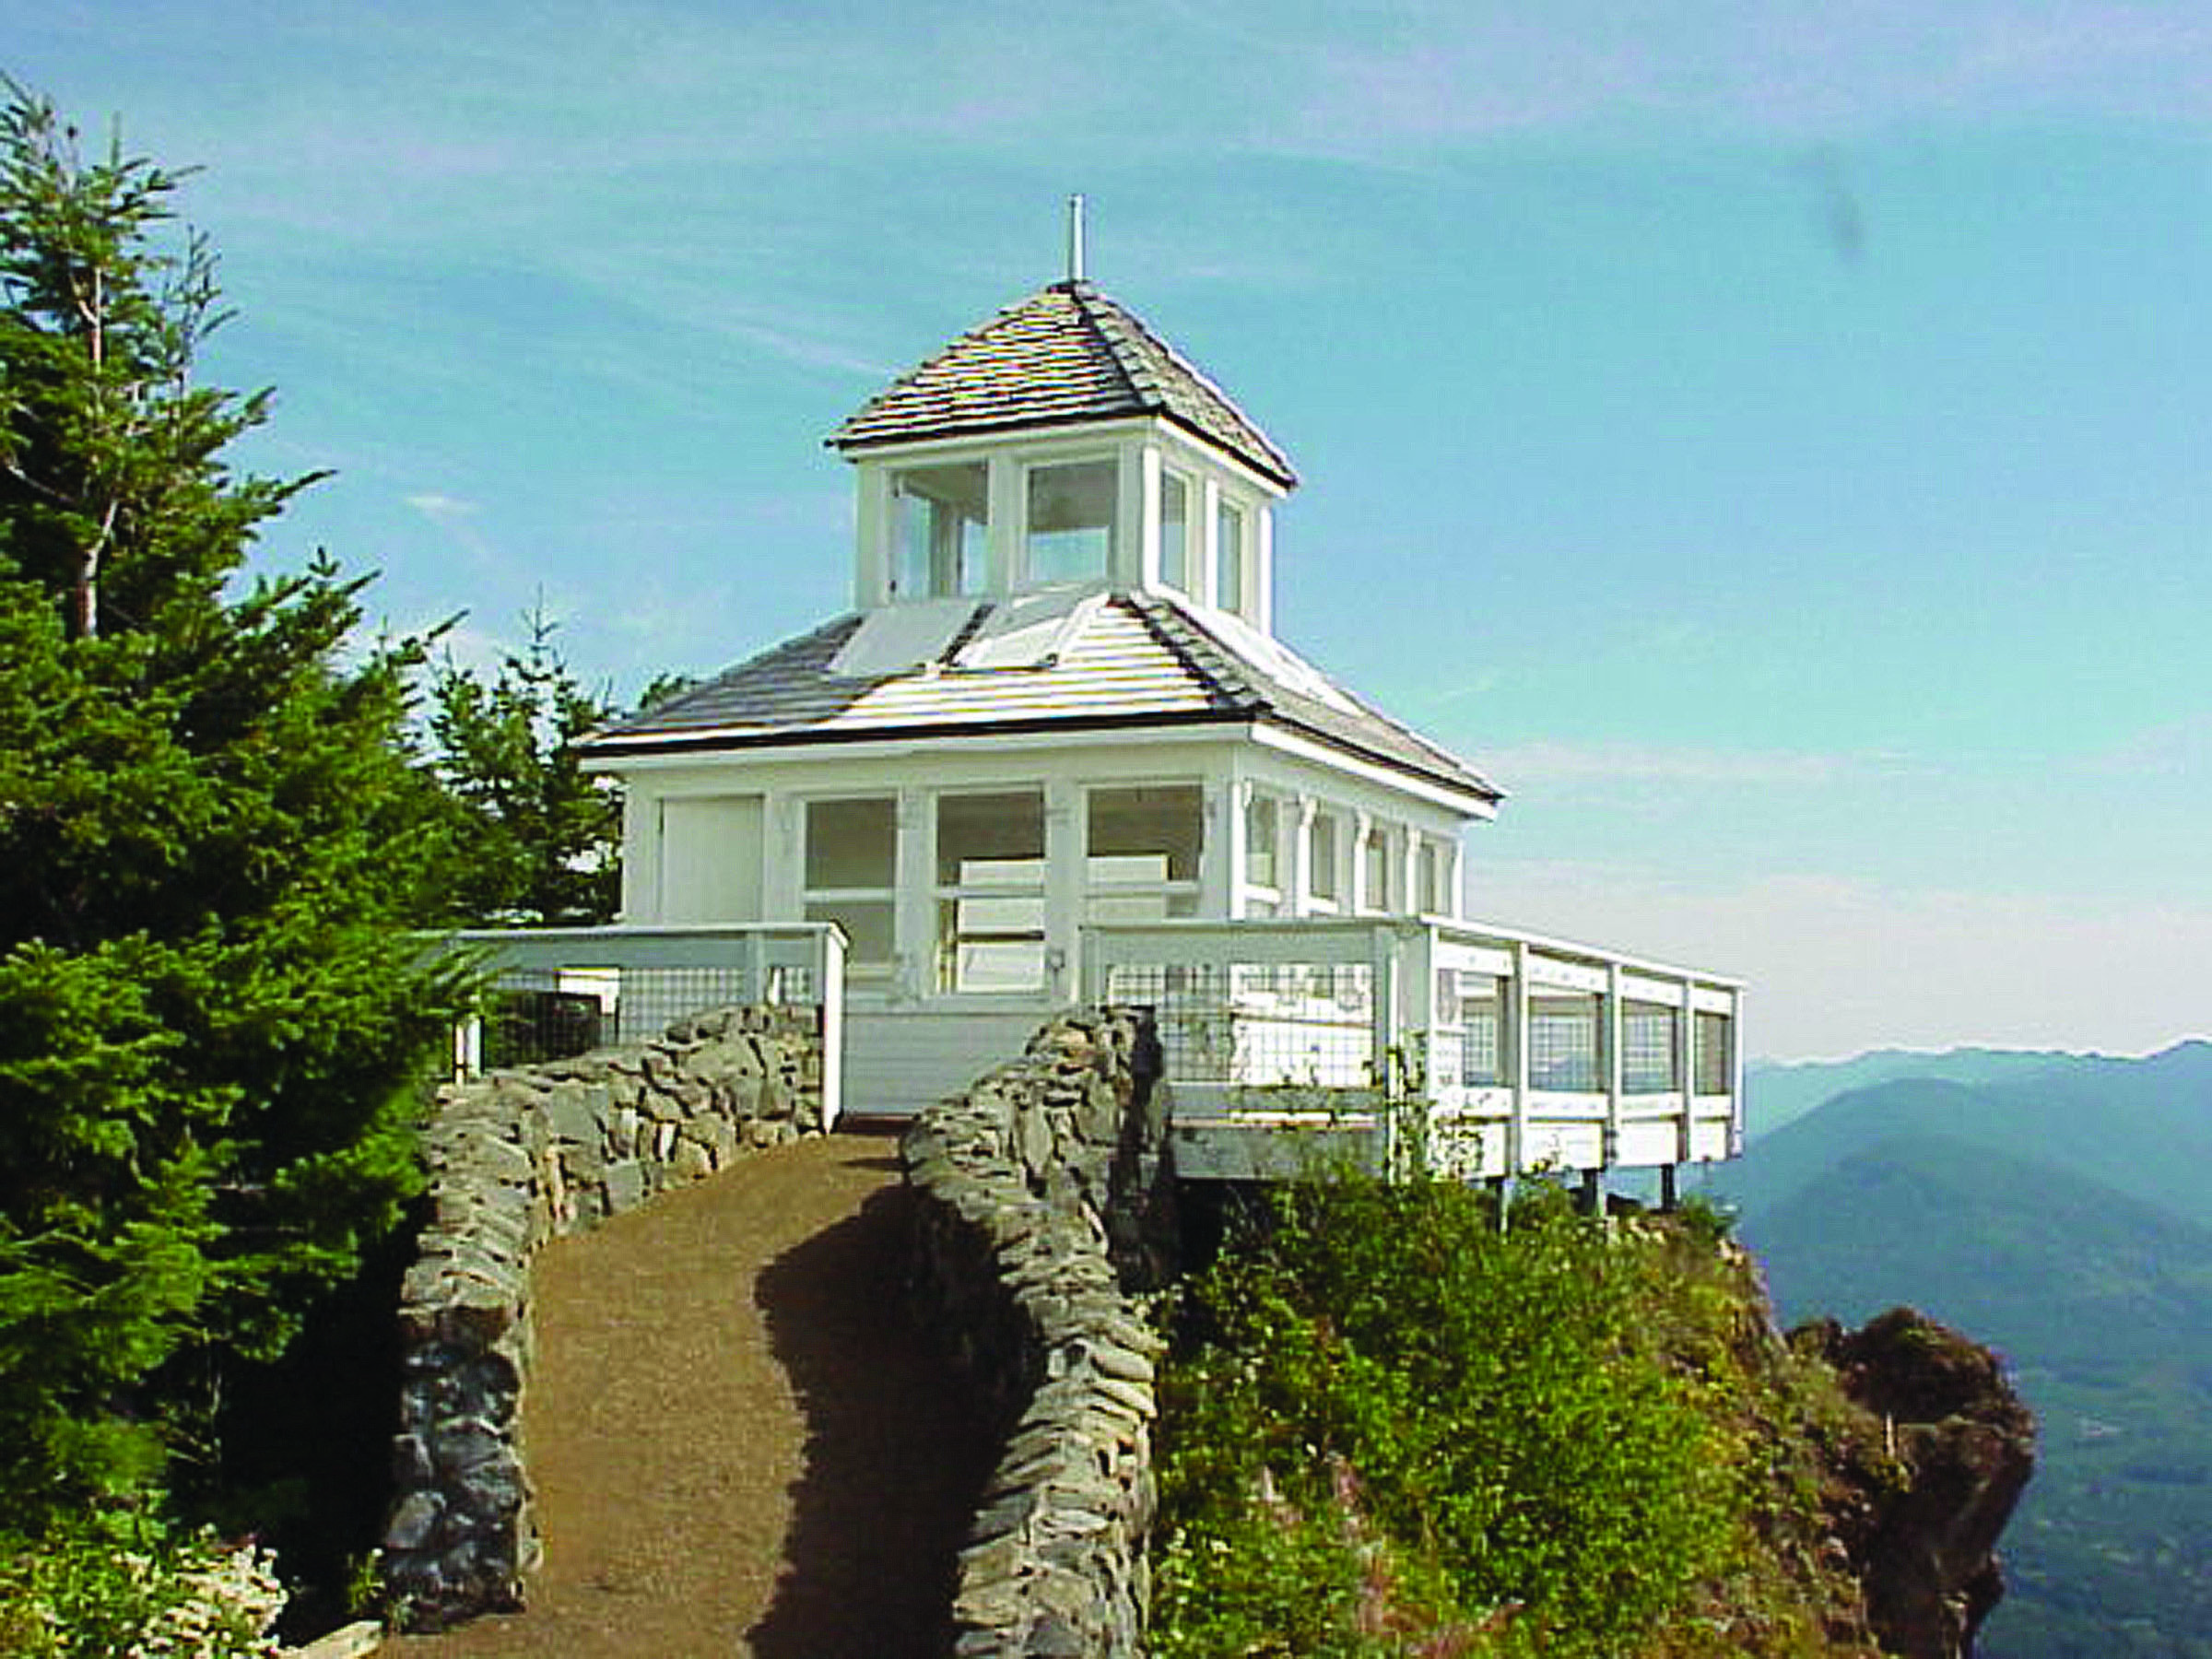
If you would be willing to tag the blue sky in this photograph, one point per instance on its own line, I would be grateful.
(1774, 440)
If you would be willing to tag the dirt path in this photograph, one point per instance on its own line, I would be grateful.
(739, 1444)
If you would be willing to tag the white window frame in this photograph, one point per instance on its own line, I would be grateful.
(944, 975)
(857, 966)
(1338, 902)
(1027, 467)
(1178, 896)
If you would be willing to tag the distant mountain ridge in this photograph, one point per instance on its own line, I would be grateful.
(2143, 1126)
(2052, 1206)
(1779, 1092)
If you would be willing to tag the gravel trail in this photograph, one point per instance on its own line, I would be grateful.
(740, 1444)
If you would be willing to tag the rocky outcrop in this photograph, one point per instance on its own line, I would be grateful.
(1921, 1533)
(516, 1158)
(1042, 1203)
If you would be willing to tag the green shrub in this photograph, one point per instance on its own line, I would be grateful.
(1394, 1428)
(96, 1587)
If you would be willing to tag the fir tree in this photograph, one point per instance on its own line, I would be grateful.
(211, 841)
(537, 841)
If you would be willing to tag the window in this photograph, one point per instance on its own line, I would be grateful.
(990, 892)
(1322, 879)
(1175, 534)
(852, 874)
(1142, 863)
(1376, 885)
(1071, 521)
(1435, 879)
(1230, 565)
(1261, 851)
(939, 516)
(1716, 1057)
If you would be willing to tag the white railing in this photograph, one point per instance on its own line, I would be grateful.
(572, 988)
(1502, 1051)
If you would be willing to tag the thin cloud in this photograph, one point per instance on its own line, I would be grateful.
(1837, 965)
(1564, 763)
(1448, 75)
(2176, 748)
(440, 509)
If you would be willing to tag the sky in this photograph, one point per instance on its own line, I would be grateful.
(1772, 440)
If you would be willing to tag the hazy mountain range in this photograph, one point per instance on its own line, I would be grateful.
(2051, 1205)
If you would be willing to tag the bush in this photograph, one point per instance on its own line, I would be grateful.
(97, 1587)
(1395, 1428)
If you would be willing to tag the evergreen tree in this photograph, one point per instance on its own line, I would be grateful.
(211, 841)
(537, 842)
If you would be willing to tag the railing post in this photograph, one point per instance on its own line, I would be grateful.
(468, 1048)
(1382, 1037)
(830, 993)
(1515, 1036)
(1686, 1058)
(1735, 1071)
(1614, 1028)
(1416, 970)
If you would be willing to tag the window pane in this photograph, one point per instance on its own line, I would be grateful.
(1071, 520)
(991, 840)
(1322, 856)
(1716, 1065)
(991, 944)
(940, 518)
(1260, 821)
(1145, 834)
(867, 924)
(1175, 532)
(1378, 870)
(852, 843)
(1138, 906)
(1229, 558)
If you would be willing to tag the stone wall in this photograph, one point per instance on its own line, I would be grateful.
(1041, 1205)
(518, 1157)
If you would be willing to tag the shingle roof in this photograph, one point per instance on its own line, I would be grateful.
(1067, 353)
(1132, 660)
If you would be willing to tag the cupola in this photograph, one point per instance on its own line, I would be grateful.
(1063, 445)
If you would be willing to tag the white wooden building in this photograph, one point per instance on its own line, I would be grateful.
(1055, 715)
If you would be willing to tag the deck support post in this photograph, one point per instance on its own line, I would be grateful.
(1669, 1197)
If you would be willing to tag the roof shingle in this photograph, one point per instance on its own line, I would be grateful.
(1067, 353)
(1131, 661)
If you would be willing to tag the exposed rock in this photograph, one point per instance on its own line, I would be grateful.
(1924, 1546)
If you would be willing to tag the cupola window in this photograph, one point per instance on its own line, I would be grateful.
(1175, 534)
(1071, 514)
(940, 519)
(1230, 560)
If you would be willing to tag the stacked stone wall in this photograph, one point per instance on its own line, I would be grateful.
(516, 1158)
(1042, 1209)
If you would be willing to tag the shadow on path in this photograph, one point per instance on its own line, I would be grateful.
(739, 1442)
(896, 1453)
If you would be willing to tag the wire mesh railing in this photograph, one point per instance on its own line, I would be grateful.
(1572, 1056)
(555, 992)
